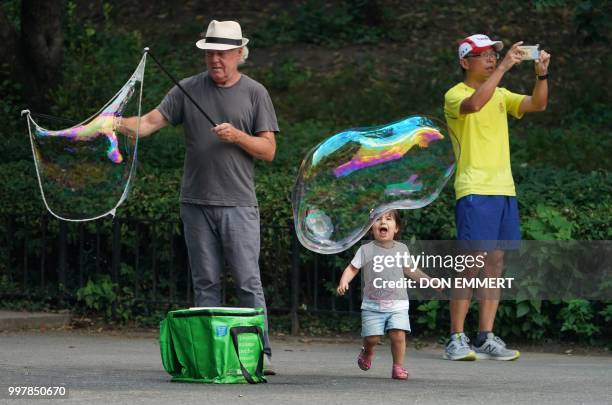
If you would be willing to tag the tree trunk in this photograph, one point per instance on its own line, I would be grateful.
(8, 39)
(41, 50)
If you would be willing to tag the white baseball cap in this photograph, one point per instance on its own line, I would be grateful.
(222, 36)
(476, 44)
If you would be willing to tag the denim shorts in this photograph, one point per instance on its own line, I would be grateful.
(374, 323)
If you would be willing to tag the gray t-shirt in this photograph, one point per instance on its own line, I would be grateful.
(376, 269)
(217, 172)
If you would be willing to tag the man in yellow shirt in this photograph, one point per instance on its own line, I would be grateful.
(486, 210)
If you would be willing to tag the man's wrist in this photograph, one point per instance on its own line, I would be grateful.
(123, 129)
(240, 137)
(503, 69)
(542, 76)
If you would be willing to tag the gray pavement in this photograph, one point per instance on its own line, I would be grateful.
(123, 369)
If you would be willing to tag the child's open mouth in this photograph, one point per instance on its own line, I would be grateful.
(383, 230)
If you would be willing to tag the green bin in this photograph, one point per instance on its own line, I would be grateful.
(213, 345)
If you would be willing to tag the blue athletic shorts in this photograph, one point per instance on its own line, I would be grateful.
(374, 323)
(490, 220)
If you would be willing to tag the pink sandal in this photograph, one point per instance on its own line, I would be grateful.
(399, 373)
(364, 361)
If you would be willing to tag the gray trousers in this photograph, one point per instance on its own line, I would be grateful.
(215, 234)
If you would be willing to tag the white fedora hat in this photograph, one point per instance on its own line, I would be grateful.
(222, 35)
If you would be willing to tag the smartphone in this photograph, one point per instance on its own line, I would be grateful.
(530, 52)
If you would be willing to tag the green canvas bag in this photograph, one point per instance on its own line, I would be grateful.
(213, 345)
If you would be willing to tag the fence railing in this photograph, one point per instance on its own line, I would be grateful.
(43, 255)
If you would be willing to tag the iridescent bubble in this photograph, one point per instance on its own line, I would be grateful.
(85, 171)
(351, 178)
(318, 225)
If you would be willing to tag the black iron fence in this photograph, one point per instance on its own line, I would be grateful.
(43, 256)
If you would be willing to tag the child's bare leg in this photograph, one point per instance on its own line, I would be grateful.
(398, 345)
(364, 361)
(369, 342)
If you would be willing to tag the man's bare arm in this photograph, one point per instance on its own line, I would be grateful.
(150, 123)
(539, 98)
(261, 146)
(484, 93)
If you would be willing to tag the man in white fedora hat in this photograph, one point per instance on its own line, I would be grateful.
(486, 210)
(218, 202)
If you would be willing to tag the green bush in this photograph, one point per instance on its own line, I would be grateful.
(116, 303)
(323, 23)
(99, 296)
(577, 317)
(93, 71)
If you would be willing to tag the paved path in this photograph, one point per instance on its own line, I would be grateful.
(112, 369)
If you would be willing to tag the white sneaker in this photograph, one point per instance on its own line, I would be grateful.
(495, 349)
(458, 348)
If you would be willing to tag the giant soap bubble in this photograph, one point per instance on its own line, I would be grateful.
(85, 171)
(348, 180)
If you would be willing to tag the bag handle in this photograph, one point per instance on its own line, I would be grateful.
(237, 330)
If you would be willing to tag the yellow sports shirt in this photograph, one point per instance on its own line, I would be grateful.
(481, 146)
